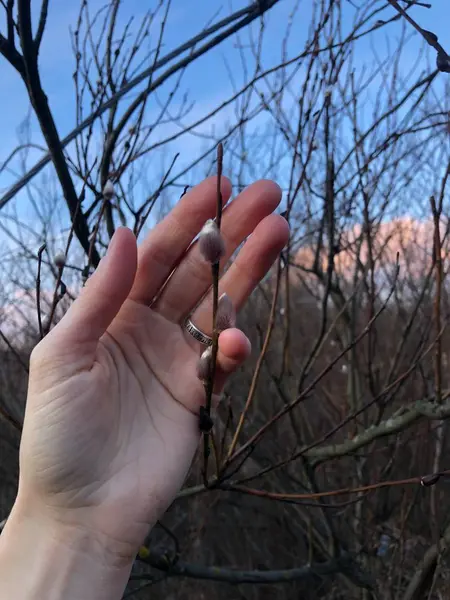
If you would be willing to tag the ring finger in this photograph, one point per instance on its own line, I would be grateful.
(251, 265)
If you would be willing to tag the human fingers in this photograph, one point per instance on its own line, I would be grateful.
(100, 300)
(192, 278)
(166, 244)
(250, 266)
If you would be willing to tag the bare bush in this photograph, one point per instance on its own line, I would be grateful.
(329, 477)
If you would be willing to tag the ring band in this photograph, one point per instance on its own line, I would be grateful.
(196, 333)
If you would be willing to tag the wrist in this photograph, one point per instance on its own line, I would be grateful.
(41, 557)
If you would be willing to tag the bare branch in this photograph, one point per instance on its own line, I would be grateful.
(344, 564)
(252, 12)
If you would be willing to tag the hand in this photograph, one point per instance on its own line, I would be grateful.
(111, 421)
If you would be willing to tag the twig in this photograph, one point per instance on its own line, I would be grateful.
(57, 296)
(254, 439)
(437, 302)
(440, 432)
(421, 480)
(259, 363)
(38, 290)
(94, 235)
(215, 270)
(12, 421)
(430, 37)
(14, 351)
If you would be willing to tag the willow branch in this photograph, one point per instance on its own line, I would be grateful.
(249, 13)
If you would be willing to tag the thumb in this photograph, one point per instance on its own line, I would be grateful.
(103, 295)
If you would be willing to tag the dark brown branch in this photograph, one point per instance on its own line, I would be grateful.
(38, 291)
(8, 51)
(41, 26)
(41, 107)
(428, 36)
(10, 22)
(215, 275)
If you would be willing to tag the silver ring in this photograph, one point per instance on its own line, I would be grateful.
(196, 333)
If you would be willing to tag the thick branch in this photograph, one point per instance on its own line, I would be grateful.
(399, 421)
(12, 56)
(344, 564)
(48, 127)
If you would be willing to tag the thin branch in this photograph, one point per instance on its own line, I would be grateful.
(41, 25)
(215, 273)
(38, 290)
(319, 377)
(249, 13)
(259, 363)
(14, 351)
(340, 492)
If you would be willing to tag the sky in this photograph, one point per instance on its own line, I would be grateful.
(207, 80)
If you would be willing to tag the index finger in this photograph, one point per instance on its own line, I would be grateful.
(166, 244)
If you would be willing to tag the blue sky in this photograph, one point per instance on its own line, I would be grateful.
(207, 80)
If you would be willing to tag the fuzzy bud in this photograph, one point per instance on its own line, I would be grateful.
(108, 190)
(59, 260)
(211, 244)
(226, 313)
(204, 364)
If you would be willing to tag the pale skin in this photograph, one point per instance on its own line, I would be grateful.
(111, 422)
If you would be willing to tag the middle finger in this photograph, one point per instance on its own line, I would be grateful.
(192, 278)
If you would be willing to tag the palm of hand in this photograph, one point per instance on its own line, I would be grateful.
(122, 434)
(111, 423)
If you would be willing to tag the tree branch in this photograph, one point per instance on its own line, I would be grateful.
(41, 26)
(253, 12)
(48, 127)
(424, 572)
(403, 418)
(343, 564)
(14, 58)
